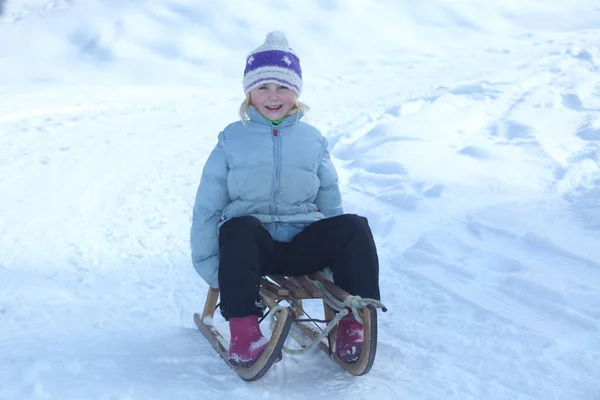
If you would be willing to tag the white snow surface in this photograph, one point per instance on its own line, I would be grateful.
(468, 133)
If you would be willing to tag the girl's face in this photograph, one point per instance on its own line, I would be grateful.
(273, 100)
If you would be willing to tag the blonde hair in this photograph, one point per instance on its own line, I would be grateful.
(297, 107)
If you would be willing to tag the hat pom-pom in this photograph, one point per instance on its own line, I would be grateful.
(276, 38)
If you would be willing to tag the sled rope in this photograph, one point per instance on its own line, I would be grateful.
(350, 304)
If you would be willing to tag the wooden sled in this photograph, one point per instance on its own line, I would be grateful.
(275, 289)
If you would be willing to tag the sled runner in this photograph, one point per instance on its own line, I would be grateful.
(293, 290)
(271, 352)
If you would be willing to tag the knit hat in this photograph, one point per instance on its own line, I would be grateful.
(274, 62)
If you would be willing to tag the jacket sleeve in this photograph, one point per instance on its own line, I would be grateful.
(211, 198)
(329, 199)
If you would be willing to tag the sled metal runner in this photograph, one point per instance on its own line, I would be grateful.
(276, 288)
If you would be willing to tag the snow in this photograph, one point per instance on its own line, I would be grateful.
(467, 132)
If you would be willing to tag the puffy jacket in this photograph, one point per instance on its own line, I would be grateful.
(281, 174)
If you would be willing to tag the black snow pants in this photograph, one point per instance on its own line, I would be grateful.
(343, 243)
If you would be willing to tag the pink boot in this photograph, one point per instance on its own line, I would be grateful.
(349, 339)
(247, 341)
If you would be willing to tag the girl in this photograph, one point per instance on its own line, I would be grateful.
(269, 203)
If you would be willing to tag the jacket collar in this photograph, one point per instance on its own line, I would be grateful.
(255, 116)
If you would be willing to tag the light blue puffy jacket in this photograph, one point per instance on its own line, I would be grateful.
(281, 174)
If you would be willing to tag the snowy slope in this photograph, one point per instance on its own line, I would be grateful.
(468, 134)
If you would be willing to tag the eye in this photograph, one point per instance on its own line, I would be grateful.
(263, 87)
(281, 87)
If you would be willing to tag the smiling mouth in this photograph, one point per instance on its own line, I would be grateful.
(273, 108)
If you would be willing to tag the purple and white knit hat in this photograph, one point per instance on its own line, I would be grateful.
(274, 62)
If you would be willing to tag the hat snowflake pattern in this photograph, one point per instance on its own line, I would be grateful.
(273, 62)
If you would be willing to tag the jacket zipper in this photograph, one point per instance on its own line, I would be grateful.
(277, 156)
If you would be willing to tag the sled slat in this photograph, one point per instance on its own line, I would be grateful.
(296, 290)
(273, 288)
(268, 291)
(333, 288)
(307, 285)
